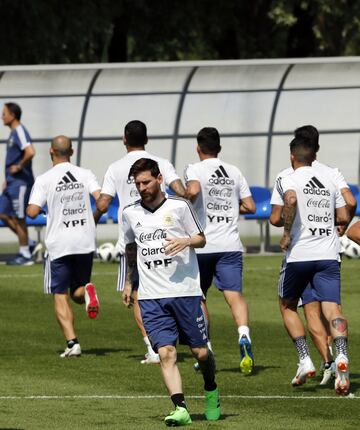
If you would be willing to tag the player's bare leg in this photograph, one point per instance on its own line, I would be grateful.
(339, 331)
(296, 331)
(65, 318)
(150, 357)
(240, 313)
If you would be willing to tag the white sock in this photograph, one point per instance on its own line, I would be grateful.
(25, 252)
(148, 346)
(244, 330)
(209, 345)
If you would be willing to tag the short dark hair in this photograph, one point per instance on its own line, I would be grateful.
(302, 150)
(136, 133)
(208, 139)
(14, 109)
(144, 165)
(310, 133)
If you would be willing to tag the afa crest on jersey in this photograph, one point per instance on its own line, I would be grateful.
(168, 220)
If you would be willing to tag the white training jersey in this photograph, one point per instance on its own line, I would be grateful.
(313, 234)
(116, 182)
(333, 172)
(218, 203)
(70, 227)
(162, 276)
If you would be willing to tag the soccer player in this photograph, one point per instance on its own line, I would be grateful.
(316, 322)
(116, 182)
(164, 231)
(219, 193)
(354, 232)
(70, 236)
(312, 207)
(18, 182)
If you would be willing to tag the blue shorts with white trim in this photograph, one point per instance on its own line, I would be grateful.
(170, 319)
(224, 267)
(322, 277)
(67, 272)
(14, 199)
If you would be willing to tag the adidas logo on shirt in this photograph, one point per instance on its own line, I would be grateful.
(69, 182)
(138, 225)
(220, 177)
(315, 187)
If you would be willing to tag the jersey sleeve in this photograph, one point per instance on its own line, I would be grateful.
(38, 195)
(23, 141)
(108, 186)
(190, 173)
(288, 184)
(190, 220)
(339, 179)
(169, 173)
(129, 236)
(339, 199)
(278, 193)
(93, 184)
(244, 190)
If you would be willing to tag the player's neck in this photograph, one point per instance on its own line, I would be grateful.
(56, 160)
(206, 156)
(297, 164)
(14, 124)
(156, 202)
(134, 148)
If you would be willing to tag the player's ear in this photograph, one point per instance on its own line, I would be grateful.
(160, 178)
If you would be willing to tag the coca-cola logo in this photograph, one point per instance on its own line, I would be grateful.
(220, 192)
(315, 203)
(158, 234)
(79, 195)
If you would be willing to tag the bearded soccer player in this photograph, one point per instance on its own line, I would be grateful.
(311, 244)
(162, 232)
(116, 182)
(220, 192)
(70, 236)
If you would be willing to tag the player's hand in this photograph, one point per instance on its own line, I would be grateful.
(14, 168)
(285, 242)
(128, 300)
(175, 245)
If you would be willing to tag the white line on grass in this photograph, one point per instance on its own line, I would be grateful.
(124, 397)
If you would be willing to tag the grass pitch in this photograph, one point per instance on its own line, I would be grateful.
(108, 388)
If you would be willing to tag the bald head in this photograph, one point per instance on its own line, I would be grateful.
(61, 147)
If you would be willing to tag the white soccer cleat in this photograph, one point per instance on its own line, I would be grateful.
(151, 359)
(328, 374)
(74, 351)
(306, 369)
(342, 380)
(92, 304)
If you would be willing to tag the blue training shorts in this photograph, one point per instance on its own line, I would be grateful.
(14, 199)
(67, 272)
(170, 319)
(321, 276)
(224, 267)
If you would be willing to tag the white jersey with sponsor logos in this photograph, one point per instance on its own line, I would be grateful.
(218, 203)
(66, 189)
(162, 276)
(334, 172)
(313, 234)
(116, 182)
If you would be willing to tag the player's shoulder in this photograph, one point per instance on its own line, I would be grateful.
(179, 202)
(285, 172)
(132, 206)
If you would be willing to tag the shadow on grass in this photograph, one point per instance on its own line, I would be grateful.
(256, 371)
(201, 417)
(181, 357)
(100, 352)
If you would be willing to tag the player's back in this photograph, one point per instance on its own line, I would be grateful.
(222, 188)
(313, 233)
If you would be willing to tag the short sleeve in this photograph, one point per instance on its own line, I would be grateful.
(23, 141)
(278, 193)
(339, 179)
(190, 220)
(190, 173)
(169, 173)
(109, 186)
(129, 236)
(339, 199)
(93, 184)
(244, 190)
(288, 184)
(38, 194)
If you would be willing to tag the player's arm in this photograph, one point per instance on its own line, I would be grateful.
(33, 211)
(342, 216)
(247, 206)
(276, 217)
(289, 213)
(131, 256)
(177, 244)
(102, 205)
(178, 187)
(354, 232)
(351, 205)
(28, 154)
(193, 188)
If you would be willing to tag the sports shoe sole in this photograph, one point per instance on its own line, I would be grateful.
(296, 382)
(247, 363)
(93, 307)
(327, 376)
(342, 381)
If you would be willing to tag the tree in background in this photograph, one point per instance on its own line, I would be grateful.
(87, 31)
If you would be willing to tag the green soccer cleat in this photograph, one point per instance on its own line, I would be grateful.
(246, 356)
(212, 405)
(179, 417)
